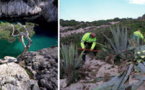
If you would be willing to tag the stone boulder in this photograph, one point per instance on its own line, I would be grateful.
(14, 77)
(8, 59)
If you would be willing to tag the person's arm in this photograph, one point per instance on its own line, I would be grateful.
(93, 45)
(83, 41)
(142, 37)
(82, 44)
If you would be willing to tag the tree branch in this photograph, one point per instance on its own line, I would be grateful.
(22, 40)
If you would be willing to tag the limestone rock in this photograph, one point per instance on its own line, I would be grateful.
(43, 64)
(14, 77)
(10, 59)
(29, 8)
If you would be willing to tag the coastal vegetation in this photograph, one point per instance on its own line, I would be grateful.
(119, 48)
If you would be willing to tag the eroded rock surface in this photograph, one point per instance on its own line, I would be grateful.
(14, 77)
(37, 72)
(31, 8)
(43, 64)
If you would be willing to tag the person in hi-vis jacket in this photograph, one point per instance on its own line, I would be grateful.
(88, 39)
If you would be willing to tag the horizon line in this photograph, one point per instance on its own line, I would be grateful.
(98, 19)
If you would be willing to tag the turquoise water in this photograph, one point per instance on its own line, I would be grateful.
(14, 49)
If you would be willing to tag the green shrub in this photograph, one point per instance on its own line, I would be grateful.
(6, 31)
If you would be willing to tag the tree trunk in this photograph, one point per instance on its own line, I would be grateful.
(22, 35)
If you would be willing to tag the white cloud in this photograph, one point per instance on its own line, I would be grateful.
(141, 2)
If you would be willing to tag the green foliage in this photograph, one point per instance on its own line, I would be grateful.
(116, 19)
(74, 39)
(6, 31)
(71, 63)
(30, 26)
(68, 23)
(93, 23)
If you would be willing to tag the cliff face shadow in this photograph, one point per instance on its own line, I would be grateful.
(47, 29)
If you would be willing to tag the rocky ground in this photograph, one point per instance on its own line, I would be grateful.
(38, 71)
(97, 72)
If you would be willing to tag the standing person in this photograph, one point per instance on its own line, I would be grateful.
(88, 41)
(138, 34)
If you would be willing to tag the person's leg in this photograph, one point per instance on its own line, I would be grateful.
(95, 52)
(84, 57)
(89, 45)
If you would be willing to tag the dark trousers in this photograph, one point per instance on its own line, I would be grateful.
(88, 46)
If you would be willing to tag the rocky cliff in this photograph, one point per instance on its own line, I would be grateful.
(29, 9)
(38, 71)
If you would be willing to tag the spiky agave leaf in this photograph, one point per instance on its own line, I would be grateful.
(142, 67)
(126, 87)
(117, 83)
(124, 39)
(144, 63)
(135, 86)
(116, 38)
(108, 84)
(126, 76)
(141, 80)
(139, 77)
(111, 43)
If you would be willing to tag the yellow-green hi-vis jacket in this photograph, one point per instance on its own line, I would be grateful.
(87, 38)
(138, 34)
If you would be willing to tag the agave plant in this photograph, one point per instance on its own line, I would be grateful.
(120, 39)
(71, 63)
(132, 67)
(119, 43)
(136, 63)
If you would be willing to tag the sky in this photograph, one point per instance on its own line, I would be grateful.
(91, 10)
